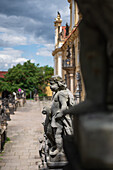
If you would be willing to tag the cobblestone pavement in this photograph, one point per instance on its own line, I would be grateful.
(24, 130)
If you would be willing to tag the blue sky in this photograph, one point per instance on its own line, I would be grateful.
(27, 30)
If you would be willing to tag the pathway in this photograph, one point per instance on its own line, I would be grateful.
(24, 130)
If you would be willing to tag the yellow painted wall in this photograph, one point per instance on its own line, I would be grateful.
(0, 94)
(48, 90)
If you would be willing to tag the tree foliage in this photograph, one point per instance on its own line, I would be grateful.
(27, 76)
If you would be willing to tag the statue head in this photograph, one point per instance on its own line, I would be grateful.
(56, 83)
(40, 140)
(14, 93)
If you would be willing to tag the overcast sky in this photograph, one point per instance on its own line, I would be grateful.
(27, 30)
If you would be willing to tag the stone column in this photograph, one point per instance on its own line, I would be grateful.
(60, 65)
(70, 18)
(73, 13)
(56, 36)
(76, 14)
(54, 65)
(68, 80)
(71, 83)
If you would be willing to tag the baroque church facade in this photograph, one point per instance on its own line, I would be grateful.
(66, 52)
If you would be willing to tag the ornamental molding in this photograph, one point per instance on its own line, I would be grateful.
(56, 51)
(71, 38)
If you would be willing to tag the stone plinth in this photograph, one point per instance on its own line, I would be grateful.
(11, 108)
(20, 101)
(95, 140)
(56, 164)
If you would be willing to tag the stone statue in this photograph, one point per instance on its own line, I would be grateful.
(62, 99)
(67, 29)
(56, 123)
(42, 153)
(59, 14)
(92, 139)
(6, 111)
(11, 103)
(47, 126)
(35, 94)
(3, 127)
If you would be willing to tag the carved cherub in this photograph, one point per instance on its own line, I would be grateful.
(60, 124)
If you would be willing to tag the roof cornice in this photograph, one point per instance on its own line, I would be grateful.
(69, 1)
(56, 51)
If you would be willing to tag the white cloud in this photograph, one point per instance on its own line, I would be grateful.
(19, 60)
(12, 40)
(10, 57)
(65, 12)
(18, 30)
(6, 65)
(27, 22)
(32, 61)
(45, 51)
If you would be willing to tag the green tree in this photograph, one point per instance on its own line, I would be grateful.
(27, 76)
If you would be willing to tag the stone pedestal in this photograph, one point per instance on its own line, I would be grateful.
(20, 101)
(95, 140)
(11, 108)
(3, 135)
(7, 112)
(16, 105)
(57, 162)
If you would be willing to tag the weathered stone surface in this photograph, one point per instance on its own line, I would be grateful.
(56, 124)
(93, 132)
(95, 140)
